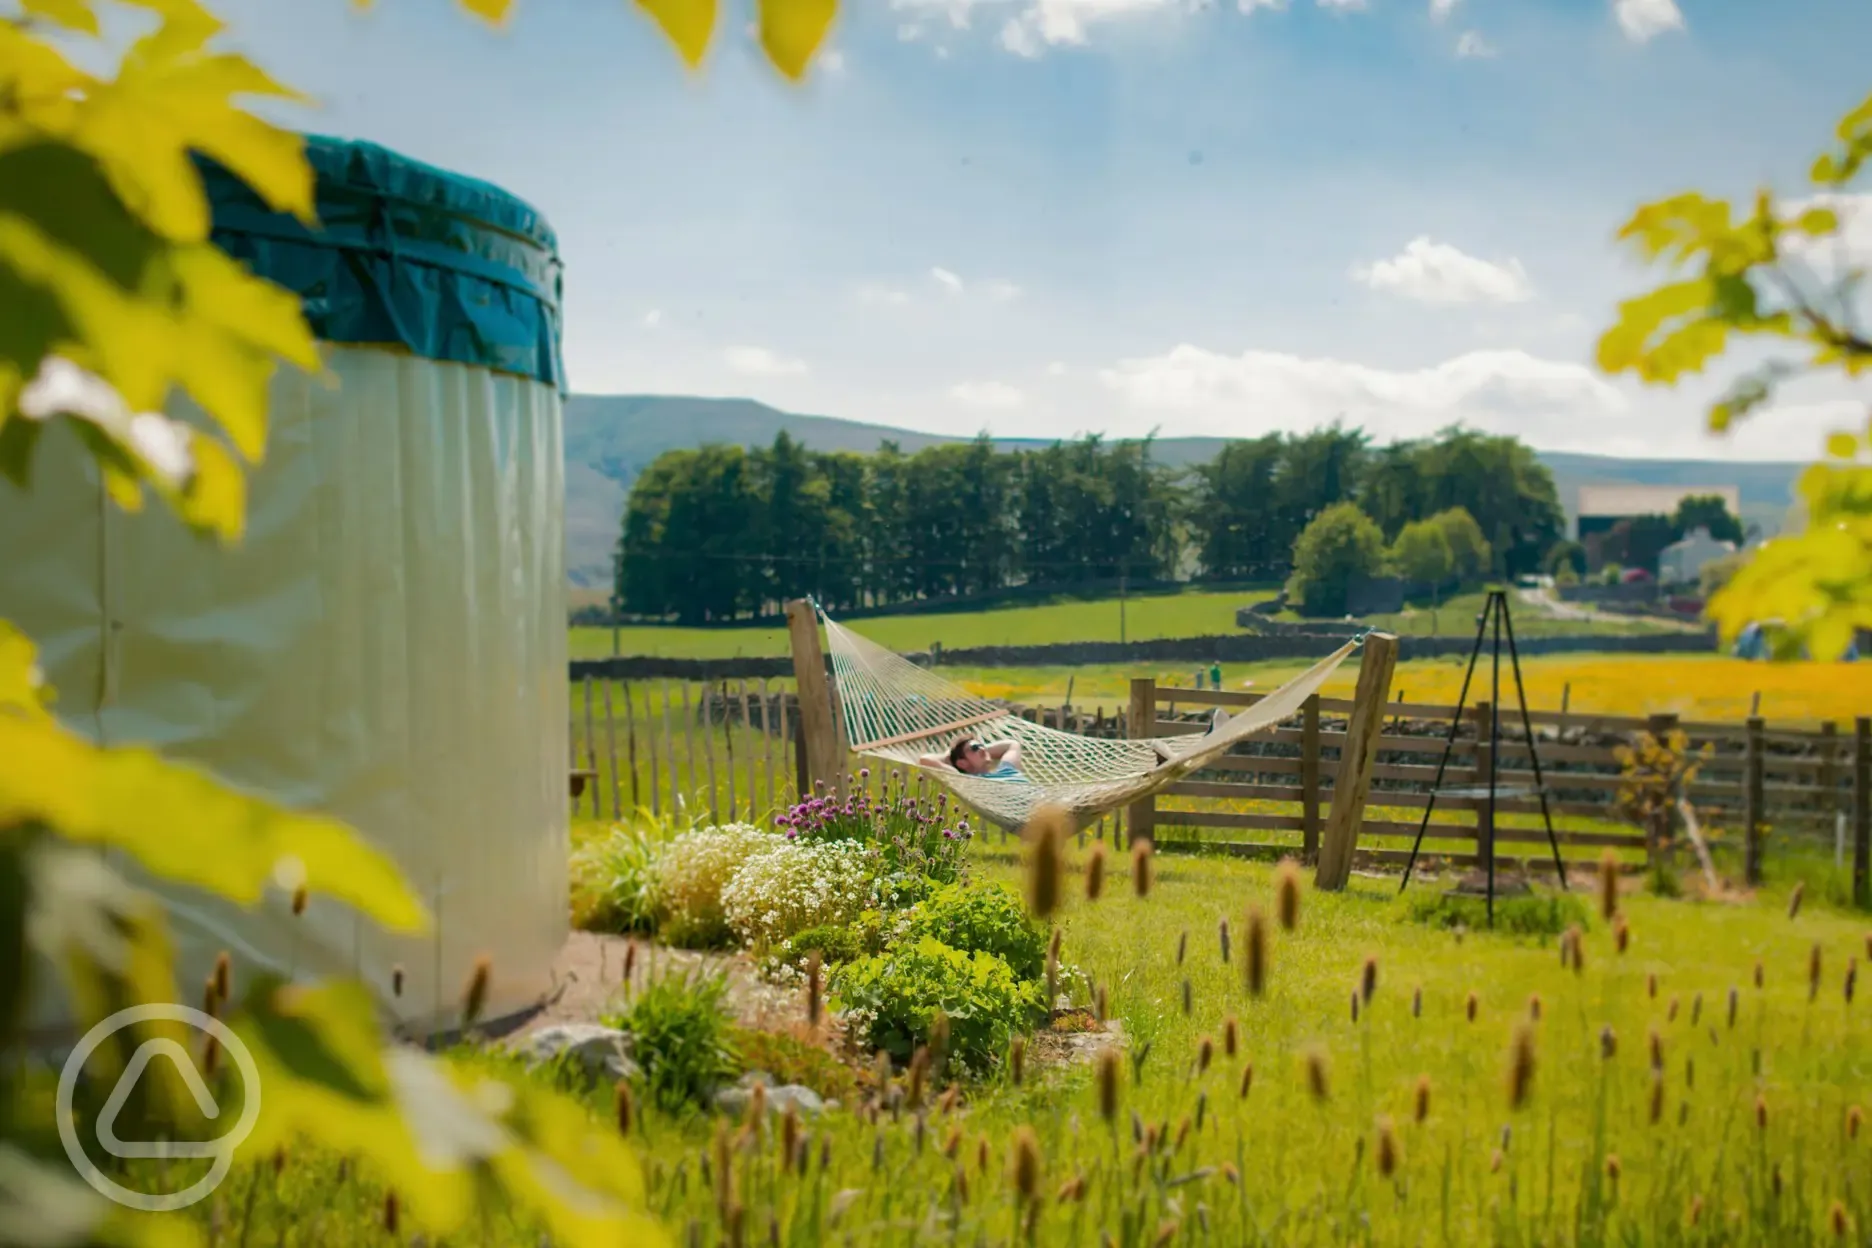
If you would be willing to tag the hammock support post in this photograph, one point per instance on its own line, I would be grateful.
(1352, 783)
(1141, 816)
(818, 734)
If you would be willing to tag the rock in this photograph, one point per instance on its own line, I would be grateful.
(803, 1100)
(598, 1050)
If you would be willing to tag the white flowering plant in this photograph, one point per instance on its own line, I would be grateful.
(789, 889)
(691, 872)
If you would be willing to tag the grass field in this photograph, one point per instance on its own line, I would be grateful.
(1693, 1089)
(1191, 614)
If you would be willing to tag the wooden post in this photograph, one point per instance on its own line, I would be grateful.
(630, 743)
(1141, 816)
(767, 739)
(1310, 779)
(611, 756)
(1352, 782)
(818, 731)
(1862, 811)
(591, 751)
(1484, 759)
(802, 773)
(1752, 800)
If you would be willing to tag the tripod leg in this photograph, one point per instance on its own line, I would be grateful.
(1527, 726)
(1449, 744)
(1498, 605)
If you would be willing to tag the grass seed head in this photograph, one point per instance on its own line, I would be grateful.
(1655, 1041)
(299, 898)
(1696, 1009)
(396, 980)
(789, 1134)
(1621, 934)
(1387, 1155)
(224, 975)
(1072, 1191)
(1735, 999)
(1813, 971)
(210, 999)
(1255, 955)
(1182, 946)
(1494, 1161)
(1287, 893)
(1141, 867)
(1670, 1014)
(475, 999)
(1017, 1059)
(1534, 1008)
(1355, 1005)
(625, 1107)
(1230, 1173)
(1108, 1076)
(1761, 1113)
(1471, 1005)
(1205, 1053)
(1189, 1003)
(1368, 978)
(1608, 886)
(1095, 873)
(1852, 975)
(939, 1040)
(1026, 1162)
(983, 1156)
(1836, 1216)
(1794, 898)
(1045, 835)
(1420, 1102)
(1318, 1075)
(1696, 1210)
(1098, 1004)
(1608, 1043)
(1416, 1002)
(1854, 1118)
(1651, 985)
(1247, 1079)
(1222, 932)
(392, 1213)
(1761, 976)
(1613, 1168)
(1231, 1036)
(919, 1066)
(1521, 1066)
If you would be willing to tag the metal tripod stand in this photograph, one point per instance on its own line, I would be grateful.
(1494, 618)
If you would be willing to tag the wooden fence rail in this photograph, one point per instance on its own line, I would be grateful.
(733, 750)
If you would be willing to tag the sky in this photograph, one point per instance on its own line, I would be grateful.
(1042, 218)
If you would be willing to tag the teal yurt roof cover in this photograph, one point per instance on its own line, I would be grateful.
(448, 267)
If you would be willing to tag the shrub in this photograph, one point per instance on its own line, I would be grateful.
(691, 872)
(681, 1038)
(983, 918)
(832, 944)
(789, 1059)
(1422, 555)
(1545, 914)
(797, 886)
(1337, 547)
(1470, 554)
(614, 882)
(892, 1000)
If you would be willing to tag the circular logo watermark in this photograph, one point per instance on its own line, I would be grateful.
(220, 1150)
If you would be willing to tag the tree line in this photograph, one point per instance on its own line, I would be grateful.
(722, 533)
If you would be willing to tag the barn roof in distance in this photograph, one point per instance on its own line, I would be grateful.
(1650, 500)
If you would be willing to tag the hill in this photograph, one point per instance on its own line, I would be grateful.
(609, 439)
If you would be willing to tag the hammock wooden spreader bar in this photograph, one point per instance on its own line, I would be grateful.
(920, 733)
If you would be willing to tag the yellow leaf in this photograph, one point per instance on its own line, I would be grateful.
(688, 23)
(1842, 445)
(183, 825)
(215, 499)
(23, 690)
(71, 14)
(792, 30)
(494, 11)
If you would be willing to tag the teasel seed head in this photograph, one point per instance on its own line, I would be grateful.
(1141, 851)
(475, 999)
(1222, 932)
(625, 1106)
(1761, 1113)
(1287, 894)
(1471, 1005)
(299, 898)
(1696, 1009)
(1368, 978)
(1416, 1002)
(1670, 1013)
(1852, 976)
(1045, 835)
(1247, 1080)
(1231, 1036)
(1255, 954)
(1017, 1059)
(224, 976)
(392, 1212)
(1813, 972)
(1387, 1154)
(1355, 1006)
(1608, 886)
(1318, 1075)
(1182, 946)
(1794, 898)
(1189, 1001)
(1095, 873)
(1854, 1118)
(1621, 934)
(1735, 999)
(396, 980)
(1521, 1066)
(1420, 1102)
(1608, 1043)
(1761, 976)
(1026, 1162)
(1651, 985)
(1836, 1216)
(1108, 1075)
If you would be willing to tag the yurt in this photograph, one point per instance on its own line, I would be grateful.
(387, 643)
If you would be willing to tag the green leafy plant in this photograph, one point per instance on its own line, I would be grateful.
(1759, 274)
(982, 918)
(1337, 547)
(681, 1037)
(833, 944)
(893, 1000)
(614, 882)
(1542, 914)
(790, 1058)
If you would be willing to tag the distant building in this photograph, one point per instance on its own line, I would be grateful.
(1602, 506)
(1680, 563)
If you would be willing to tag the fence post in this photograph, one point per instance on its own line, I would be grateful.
(1352, 783)
(1141, 816)
(1485, 751)
(1862, 811)
(1752, 799)
(1310, 779)
(819, 734)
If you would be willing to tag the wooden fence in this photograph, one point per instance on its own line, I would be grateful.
(733, 750)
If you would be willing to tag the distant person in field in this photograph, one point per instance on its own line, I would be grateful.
(999, 761)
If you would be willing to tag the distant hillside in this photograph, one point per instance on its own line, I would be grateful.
(611, 438)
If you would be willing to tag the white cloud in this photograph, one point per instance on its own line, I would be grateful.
(831, 61)
(1018, 37)
(653, 318)
(1644, 20)
(990, 394)
(1436, 273)
(1472, 44)
(1344, 6)
(947, 280)
(1003, 292)
(1249, 6)
(1552, 404)
(763, 362)
(1441, 9)
(1056, 369)
(883, 296)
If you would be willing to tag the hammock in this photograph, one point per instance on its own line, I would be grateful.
(896, 711)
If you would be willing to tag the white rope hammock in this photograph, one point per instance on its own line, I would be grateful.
(896, 711)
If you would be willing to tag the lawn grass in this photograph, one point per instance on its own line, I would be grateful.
(1749, 1142)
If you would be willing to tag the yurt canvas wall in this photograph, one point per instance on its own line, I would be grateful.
(387, 644)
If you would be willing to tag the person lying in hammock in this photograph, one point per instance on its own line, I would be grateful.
(1000, 761)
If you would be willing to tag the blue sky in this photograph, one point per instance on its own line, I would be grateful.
(1042, 217)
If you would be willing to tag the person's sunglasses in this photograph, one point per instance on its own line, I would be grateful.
(973, 747)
